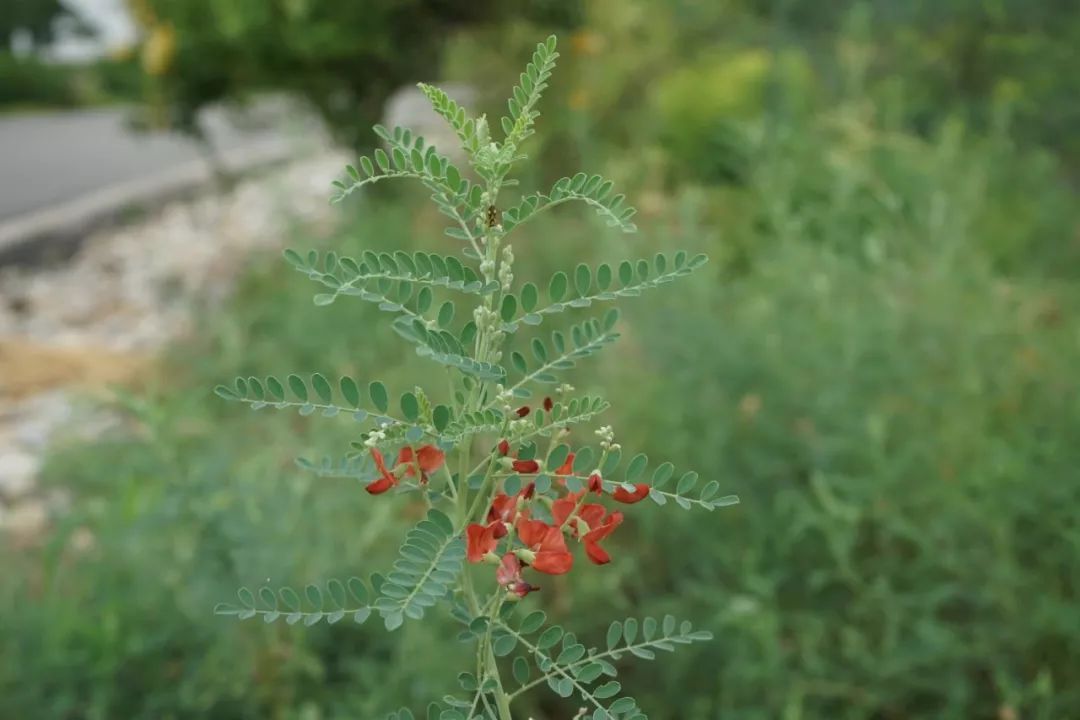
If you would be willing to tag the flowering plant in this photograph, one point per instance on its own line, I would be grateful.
(510, 493)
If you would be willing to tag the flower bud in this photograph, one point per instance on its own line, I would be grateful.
(526, 556)
(596, 483)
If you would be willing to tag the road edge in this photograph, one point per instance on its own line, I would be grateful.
(58, 230)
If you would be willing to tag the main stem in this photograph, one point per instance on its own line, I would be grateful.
(485, 348)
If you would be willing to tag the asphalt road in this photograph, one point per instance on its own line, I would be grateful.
(50, 158)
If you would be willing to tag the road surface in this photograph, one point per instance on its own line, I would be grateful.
(49, 158)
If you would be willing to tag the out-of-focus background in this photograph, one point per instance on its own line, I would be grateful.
(881, 360)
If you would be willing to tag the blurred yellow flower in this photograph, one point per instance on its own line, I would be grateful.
(158, 50)
(750, 406)
(586, 42)
(579, 99)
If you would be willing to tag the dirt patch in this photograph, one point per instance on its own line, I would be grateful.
(29, 367)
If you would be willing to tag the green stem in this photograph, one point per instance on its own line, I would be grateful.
(502, 699)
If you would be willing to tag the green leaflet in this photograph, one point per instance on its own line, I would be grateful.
(317, 394)
(455, 115)
(332, 602)
(597, 285)
(525, 96)
(593, 190)
(430, 559)
(563, 352)
(569, 667)
(387, 279)
(445, 348)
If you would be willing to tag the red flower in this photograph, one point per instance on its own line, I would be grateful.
(482, 539)
(547, 545)
(548, 404)
(509, 576)
(386, 481)
(597, 527)
(505, 507)
(528, 467)
(640, 492)
(567, 468)
(504, 447)
(428, 457)
(523, 411)
(598, 532)
(563, 508)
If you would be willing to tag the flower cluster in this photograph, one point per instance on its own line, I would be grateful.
(426, 459)
(529, 530)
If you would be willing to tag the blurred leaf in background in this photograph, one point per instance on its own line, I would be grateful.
(344, 58)
(35, 19)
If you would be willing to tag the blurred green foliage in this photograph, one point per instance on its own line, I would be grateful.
(29, 83)
(881, 363)
(36, 18)
(344, 58)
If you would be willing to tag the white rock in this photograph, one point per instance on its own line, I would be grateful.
(18, 472)
(26, 520)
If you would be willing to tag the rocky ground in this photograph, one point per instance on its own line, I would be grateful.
(68, 331)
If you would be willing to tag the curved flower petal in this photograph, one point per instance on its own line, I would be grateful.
(430, 458)
(567, 468)
(640, 492)
(479, 541)
(596, 553)
(527, 467)
(380, 485)
(386, 479)
(532, 532)
(554, 562)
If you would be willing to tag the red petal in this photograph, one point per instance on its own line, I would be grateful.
(532, 532)
(523, 411)
(504, 448)
(528, 467)
(641, 491)
(381, 485)
(596, 553)
(596, 485)
(567, 468)
(380, 463)
(592, 514)
(480, 541)
(601, 530)
(509, 570)
(553, 563)
(562, 508)
(431, 458)
(502, 508)
(522, 588)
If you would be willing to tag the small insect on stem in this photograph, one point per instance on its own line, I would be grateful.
(492, 217)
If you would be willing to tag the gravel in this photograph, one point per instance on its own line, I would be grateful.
(101, 316)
